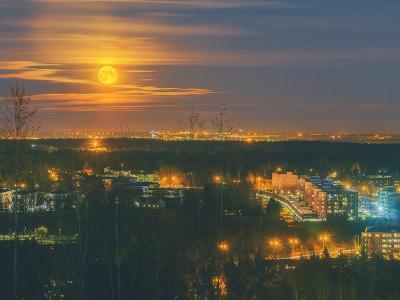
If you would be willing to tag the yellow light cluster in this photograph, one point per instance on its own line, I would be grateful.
(171, 180)
(223, 246)
(53, 175)
(258, 182)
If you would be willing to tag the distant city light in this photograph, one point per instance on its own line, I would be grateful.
(96, 146)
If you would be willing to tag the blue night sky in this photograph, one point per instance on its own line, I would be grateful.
(281, 66)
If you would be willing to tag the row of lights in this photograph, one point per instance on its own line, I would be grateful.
(276, 243)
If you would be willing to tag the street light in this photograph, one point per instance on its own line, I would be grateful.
(293, 242)
(223, 246)
(219, 180)
(324, 237)
(275, 244)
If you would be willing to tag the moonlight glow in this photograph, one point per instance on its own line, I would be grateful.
(107, 75)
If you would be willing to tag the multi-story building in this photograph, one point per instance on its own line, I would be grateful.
(329, 198)
(6, 197)
(381, 180)
(367, 205)
(26, 200)
(284, 183)
(389, 203)
(326, 197)
(381, 241)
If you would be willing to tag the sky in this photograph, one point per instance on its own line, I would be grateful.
(279, 65)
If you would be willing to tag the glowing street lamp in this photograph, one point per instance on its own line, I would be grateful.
(53, 175)
(293, 242)
(325, 238)
(275, 244)
(223, 246)
(217, 179)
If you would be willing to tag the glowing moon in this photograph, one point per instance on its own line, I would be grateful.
(107, 75)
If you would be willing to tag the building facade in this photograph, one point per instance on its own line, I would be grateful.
(284, 183)
(382, 242)
(389, 203)
(6, 199)
(326, 197)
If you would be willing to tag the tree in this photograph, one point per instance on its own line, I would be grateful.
(17, 119)
(273, 210)
(41, 232)
(325, 254)
(194, 124)
(17, 115)
(222, 126)
(222, 123)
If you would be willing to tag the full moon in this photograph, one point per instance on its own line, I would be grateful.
(107, 75)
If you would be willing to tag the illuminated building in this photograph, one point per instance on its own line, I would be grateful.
(117, 173)
(26, 200)
(139, 177)
(6, 199)
(389, 203)
(381, 241)
(381, 180)
(283, 183)
(326, 197)
(329, 199)
(367, 205)
(148, 177)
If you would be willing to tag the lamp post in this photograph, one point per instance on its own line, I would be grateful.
(293, 242)
(324, 237)
(274, 244)
(218, 179)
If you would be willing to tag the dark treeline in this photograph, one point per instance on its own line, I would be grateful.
(202, 159)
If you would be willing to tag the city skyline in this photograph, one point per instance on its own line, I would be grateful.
(281, 66)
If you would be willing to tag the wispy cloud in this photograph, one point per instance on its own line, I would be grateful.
(161, 48)
(209, 4)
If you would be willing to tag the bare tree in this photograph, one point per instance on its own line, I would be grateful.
(17, 119)
(17, 115)
(194, 123)
(222, 123)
